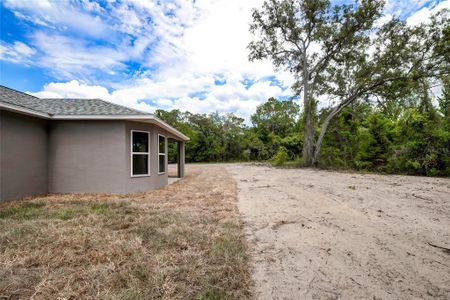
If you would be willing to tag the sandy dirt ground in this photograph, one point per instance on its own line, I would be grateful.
(328, 235)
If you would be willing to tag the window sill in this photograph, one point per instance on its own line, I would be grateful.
(137, 176)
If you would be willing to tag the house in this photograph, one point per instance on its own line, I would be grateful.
(80, 146)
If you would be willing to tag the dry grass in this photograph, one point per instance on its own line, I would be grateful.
(181, 242)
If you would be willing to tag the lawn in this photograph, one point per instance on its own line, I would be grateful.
(181, 242)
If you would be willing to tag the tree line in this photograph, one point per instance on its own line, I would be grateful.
(410, 137)
(376, 74)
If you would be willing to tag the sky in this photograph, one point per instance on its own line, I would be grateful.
(145, 54)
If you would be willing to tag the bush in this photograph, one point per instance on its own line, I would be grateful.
(280, 157)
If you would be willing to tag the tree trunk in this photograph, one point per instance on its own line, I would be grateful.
(324, 128)
(309, 132)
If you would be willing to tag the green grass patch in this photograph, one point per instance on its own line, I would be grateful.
(38, 210)
(67, 213)
(26, 211)
(100, 208)
(229, 244)
(212, 294)
(296, 163)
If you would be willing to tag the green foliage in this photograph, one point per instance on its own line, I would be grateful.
(363, 138)
(275, 117)
(444, 100)
(374, 143)
(414, 140)
(280, 157)
(422, 145)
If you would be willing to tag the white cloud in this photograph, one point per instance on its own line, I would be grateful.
(17, 52)
(61, 15)
(424, 14)
(23, 49)
(187, 45)
(92, 6)
(72, 89)
(66, 57)
(404, 8)
(231, 96)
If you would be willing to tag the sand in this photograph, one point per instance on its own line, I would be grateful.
(317, 234)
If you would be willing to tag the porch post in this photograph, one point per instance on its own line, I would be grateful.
(180, 159)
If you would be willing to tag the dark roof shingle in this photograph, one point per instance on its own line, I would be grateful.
(63, 107)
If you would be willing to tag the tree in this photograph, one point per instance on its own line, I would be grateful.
(305, 37)
(444, 100)
(337, 52)
(397, 55)
(233, 135)
(277, 117)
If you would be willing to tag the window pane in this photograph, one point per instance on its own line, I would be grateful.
(140, 141)
(162, 144)
(140, 164)
(162, 163)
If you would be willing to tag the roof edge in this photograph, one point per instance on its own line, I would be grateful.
(17, 91)
(23, 110)
(138, 118)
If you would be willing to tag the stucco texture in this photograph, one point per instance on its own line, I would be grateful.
(23, 156)
(73, 156)
(95, 156)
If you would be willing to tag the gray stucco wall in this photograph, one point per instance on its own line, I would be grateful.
(87, 156)
(23, 156)
(95, 156)
(39, 156)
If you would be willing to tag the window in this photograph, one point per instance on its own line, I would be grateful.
(140, 153)
(162, 153)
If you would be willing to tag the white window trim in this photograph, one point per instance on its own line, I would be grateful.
(132, 153)
(165, 154)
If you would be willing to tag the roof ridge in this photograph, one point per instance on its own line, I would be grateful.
(109, 102)
(17, 91)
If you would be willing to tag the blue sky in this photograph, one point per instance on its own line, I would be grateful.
(189, 55)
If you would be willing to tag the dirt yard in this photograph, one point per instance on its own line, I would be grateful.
(328, 235)
(184, 241)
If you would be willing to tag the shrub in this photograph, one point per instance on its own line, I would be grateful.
(280, 157)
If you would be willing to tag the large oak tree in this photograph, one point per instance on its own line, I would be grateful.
(345, 54)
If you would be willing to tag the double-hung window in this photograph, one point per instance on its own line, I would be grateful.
(140, 153)
(162, 154)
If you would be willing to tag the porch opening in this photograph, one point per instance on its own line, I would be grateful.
(175, 158)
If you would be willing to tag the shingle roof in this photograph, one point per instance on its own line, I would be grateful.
(64, 107)
(91, 109)
(86, 107)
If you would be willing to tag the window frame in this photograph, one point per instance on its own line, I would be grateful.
(165, 154)
(132, 153)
